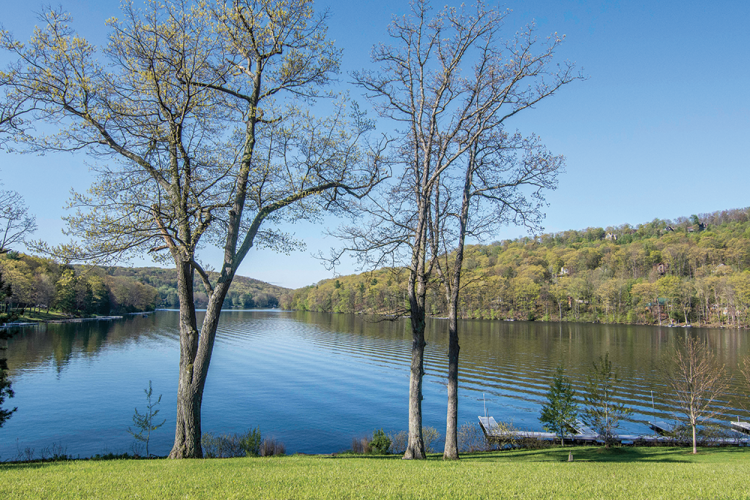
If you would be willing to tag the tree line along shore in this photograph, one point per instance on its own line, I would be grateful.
(688, 271)
(692, 271)
(45, 289)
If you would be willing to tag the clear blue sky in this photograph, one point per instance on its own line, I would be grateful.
(660, 129)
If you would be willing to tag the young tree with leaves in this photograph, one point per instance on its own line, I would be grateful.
(200, 116)
(145, 422)
(560, 412)
(601, 411)
(697, 380)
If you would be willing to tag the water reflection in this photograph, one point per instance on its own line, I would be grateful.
(316, 380)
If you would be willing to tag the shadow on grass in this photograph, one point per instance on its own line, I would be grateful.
(363, 457)
(392, 456)
(26, 465)
(624, 454)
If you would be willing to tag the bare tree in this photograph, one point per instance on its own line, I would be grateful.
(450, 82)
(199, 114)
(697, 381)
(15, 221)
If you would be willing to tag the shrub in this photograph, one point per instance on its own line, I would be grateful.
(399, 441)
(715, 434)
(532, 443)
(380, 442)
(232, 445)
(250, 442)
(270, 447)
(223, 446)
(55, 452)
(431, 437)
(360, 445)
(471, 438)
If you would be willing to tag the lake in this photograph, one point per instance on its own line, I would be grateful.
(314, 381)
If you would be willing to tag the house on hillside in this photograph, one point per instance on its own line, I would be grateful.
(611, 237)
(658, 309)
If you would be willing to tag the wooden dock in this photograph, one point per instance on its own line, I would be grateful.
(585, 435)
(18, 324)
(743, 427)
(662, 428)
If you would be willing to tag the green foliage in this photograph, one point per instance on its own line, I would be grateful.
(145, 423)
(560, 412)
(380, 443)
(601, 411)
(250, 442)
(645, 275)
(244, 293)
(88, 290)
(232, 445)
(44, 284)
(65, 292)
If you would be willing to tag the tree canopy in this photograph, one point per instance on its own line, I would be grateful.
(199, 118)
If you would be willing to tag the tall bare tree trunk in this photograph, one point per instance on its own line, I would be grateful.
(195, 357)
(415, 448)
(452, 284)
(417, 290)
(450, 452)
(188, 426)
(695, 447)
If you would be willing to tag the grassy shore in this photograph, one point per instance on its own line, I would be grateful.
(595, 473)
(40, 316)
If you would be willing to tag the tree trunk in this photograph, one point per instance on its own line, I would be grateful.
(453, 289)
(195, 358)
(417, 290)
(415, 448)
(450, 451)
(188, 428)
(695, 448)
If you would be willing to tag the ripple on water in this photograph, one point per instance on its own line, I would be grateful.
(314, 381)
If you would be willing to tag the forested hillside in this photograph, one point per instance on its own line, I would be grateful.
(694, 270)
(44, 284)
(245, 293)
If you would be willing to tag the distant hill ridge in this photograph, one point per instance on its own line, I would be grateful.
(689, 270)
(244, 292)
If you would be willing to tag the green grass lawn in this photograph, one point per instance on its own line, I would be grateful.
(30, 315)
(595, 473)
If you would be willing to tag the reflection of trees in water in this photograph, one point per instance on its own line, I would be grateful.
(516, 358)
(57, 343)
(520, 357)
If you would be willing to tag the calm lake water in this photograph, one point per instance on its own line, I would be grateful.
(314, 381)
